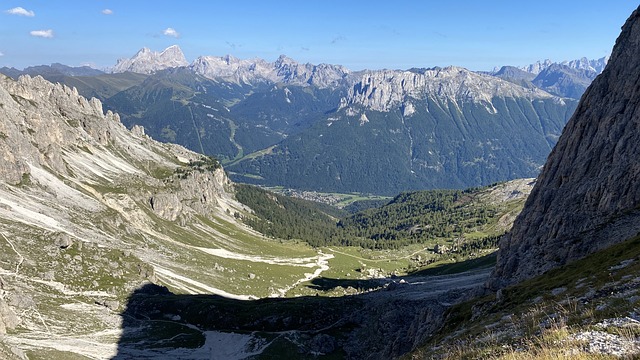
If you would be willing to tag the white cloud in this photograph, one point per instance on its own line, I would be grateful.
(42, 33)
(20, 11)
(1, 54)
(171, 32)
(107, 11)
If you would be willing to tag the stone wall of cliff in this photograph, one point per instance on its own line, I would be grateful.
(588, 194)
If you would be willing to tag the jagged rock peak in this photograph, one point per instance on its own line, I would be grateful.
(39, 119)
(387, 89)
(146, 61)
(50, 128)
(588, 194)
(283, 70)
(583, 63)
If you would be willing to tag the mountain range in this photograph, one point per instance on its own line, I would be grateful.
(313, 127)
(117, 246)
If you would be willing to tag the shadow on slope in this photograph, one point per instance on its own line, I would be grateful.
(379, 324)
(159, 324)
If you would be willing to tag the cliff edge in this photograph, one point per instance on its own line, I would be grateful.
(588, 194)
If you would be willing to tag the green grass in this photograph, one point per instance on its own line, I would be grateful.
(593, 290)
(46, 354)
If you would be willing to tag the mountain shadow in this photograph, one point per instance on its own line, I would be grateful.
(389, 319)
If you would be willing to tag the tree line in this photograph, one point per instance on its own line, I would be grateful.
(410, 218)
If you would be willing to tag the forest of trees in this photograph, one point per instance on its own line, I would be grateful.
(410, 218)
(287, 217)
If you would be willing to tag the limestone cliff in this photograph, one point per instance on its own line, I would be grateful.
(588, 194)
(387, 89)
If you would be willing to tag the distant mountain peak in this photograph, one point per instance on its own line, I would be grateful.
(146, 61)
(283, 70)
(596, 65)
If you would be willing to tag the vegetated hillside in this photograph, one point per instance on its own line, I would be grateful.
(457, 221)
(287, 218)
(439, 144)
(227, 120)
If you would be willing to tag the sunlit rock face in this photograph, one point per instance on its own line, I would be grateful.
(588, 194)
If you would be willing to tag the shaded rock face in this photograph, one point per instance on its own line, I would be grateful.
(588, 195)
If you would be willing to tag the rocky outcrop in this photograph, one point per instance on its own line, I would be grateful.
(390, 89)
(36, 136)
(588, 195)
(8, 318)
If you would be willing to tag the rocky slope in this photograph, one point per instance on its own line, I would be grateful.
(89, 211)
(587, 196)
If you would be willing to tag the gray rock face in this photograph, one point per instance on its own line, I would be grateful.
(167, 206)
(8, 318)
(36, 137)
(588, 194)
(388, 89)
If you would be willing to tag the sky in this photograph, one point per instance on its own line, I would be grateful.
(399, 34)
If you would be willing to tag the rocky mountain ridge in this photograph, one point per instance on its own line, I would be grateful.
(91, 210)
(146, 61)
(387, 89)
(283, 70)
(247, 113)
(286, 70)
(586, 197)
(595, 65)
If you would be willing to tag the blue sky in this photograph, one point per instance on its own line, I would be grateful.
(396, 34)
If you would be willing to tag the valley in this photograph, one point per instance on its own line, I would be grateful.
(110, 209)
(232, 208)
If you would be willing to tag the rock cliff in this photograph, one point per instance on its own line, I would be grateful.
(588, 194)
(389, 89)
